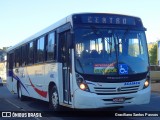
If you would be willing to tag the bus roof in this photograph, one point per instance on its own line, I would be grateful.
(42, 32)
(60, 23)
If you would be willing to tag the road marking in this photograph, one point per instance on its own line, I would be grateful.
(13, 104)
(19, 108)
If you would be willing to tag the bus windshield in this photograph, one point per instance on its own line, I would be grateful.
(110, 51)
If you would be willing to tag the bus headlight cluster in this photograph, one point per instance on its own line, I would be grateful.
(146, 83)
(81, 83)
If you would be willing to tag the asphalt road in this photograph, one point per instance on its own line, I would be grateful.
(10, 102)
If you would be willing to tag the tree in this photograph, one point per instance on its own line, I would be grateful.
(153, 55)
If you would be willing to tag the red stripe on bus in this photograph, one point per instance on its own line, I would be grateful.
(40, 92)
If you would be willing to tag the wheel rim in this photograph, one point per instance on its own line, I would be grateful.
(55, 99)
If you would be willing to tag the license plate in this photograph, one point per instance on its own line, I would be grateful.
(120, 100)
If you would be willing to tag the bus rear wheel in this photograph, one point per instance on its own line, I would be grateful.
(54, 99)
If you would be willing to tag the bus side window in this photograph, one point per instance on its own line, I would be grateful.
(50, 42)
(15, 56)
(30, 53)
(18, 57)
(10, 61)
(24, 55)
(40, 50)
(14, 61)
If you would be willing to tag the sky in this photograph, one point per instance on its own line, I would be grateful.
(20, 19)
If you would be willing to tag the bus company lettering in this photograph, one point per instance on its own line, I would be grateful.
(132, 83)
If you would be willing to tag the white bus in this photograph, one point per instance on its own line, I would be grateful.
(84, 61)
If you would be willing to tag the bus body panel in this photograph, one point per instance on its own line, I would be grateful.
(35, 80)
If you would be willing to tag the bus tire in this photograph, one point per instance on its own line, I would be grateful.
(54, 99)
(20, 95)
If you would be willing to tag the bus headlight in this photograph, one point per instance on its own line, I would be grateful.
(82, 84)
(146, 83)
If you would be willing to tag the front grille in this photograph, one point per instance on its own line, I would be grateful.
(132, 88)
(104, 90)
(114, 90)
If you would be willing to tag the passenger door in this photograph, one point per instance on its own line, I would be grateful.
(65, 58)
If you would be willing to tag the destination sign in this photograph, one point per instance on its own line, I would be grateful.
(110, 19)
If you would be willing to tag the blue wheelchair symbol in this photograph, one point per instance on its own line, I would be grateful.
(123, 69)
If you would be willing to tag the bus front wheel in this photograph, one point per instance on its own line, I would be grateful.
(54, 99)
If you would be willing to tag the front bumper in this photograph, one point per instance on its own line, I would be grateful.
(87, 100)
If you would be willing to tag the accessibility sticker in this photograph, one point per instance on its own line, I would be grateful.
(123, 69)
